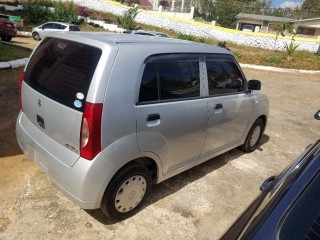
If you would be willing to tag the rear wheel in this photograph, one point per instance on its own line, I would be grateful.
(36, 36)
(253, 137)
(126, 192)
(6, 38)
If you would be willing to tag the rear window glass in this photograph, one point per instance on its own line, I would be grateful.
(170, 77)
(74, 28)
(62, 70)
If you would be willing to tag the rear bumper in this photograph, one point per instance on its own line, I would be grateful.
(8, 33)
(84, 182)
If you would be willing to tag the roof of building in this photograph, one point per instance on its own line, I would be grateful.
(306, 20)
(263, 17)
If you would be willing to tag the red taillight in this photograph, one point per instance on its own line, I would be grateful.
(90, 135)
(20, 89)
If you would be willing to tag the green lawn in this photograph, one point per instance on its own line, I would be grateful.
(10, 52)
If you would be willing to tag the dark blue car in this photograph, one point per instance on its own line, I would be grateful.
(288, 207)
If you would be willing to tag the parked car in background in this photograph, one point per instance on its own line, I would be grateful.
(41, 31)
(289, 204)
(8, 28)
(150, 33)
(105, 134)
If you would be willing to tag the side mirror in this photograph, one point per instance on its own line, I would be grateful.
(317, 115)
(254, 85)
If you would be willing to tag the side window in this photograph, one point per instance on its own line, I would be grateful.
(149, 84)
(303, 219)
(47, 26)
(224, 76)
(170, 77)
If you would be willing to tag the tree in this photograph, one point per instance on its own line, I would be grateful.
(225, 12)
(310, 8)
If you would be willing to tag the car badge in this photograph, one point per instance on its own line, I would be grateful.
(39, 102)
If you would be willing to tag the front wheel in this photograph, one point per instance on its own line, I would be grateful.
(253, 137)
(126, 192)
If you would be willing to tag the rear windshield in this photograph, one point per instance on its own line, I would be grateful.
(74, 28)
(62, 70)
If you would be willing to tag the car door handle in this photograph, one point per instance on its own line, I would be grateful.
(153, 117)
(153, 120)
(267, 184)
(218, 106)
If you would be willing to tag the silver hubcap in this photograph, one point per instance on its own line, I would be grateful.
(130, 193)
(255, 136)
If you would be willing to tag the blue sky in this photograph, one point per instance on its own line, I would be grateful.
(286, 3)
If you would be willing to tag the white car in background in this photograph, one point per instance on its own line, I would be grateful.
(41, 31)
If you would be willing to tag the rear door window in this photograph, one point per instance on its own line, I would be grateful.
(170, 77)
(62, 70)
(74, 28)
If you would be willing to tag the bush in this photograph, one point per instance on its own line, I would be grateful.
(291, 48)
(164, 3)
(126, 20)
(191, 38)
(37, 11)
(84, 12)
(65, 12)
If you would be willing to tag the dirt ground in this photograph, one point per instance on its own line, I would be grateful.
(198, 204)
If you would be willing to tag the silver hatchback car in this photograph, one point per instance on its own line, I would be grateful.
(106, 116)
(41, 31)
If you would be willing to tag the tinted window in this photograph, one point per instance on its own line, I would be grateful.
(224, 76)
(303, 219)
(62, 70)
(48, 26)
(169, 77)
(59, 26)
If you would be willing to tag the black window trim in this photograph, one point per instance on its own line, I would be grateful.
(203, 78)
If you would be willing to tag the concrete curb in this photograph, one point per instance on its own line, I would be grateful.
(275, 69)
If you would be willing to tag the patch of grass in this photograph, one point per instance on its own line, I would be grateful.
(273, 59)
(10, 52)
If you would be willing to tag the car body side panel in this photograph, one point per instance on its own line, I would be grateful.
(227, 125)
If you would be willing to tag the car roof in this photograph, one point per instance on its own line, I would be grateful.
(68, 24)
(97, 38)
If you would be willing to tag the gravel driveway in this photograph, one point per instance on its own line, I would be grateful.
(198, 204)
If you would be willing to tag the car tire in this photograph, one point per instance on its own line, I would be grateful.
(253, 138)
(126, 192)
(6, 39)
(36, 36)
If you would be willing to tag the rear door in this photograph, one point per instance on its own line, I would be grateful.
(57, 79)
(171, 113)
(230, 108)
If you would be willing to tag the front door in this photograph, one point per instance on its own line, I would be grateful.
(230, 108)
